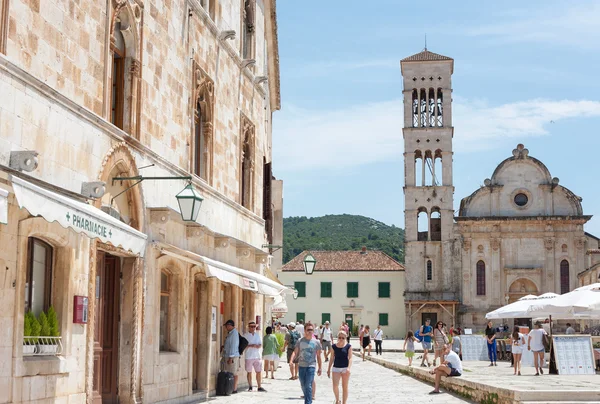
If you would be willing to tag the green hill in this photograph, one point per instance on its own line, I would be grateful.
(340, 232)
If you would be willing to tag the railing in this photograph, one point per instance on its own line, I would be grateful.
(42, 346)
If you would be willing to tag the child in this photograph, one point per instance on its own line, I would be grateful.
(456, 343)
(410, 351)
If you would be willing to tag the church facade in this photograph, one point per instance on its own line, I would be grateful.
(520, 233)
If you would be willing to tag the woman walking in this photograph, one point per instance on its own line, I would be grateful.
(341, 364)
(490, 335)
(409, 346)
(365, 338)
(270, 352)
(440, 339)
(518, 343)
(378, 337)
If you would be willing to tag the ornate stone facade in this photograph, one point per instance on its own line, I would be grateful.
(130, 88)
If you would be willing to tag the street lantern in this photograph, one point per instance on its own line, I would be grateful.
(189, 203)
(309, 264)
(295, 295)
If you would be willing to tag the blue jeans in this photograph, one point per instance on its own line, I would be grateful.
(307, 376)
(492, 352)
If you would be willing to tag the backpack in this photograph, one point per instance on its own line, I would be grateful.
(294, 337)
(243, 344)
(418, 335)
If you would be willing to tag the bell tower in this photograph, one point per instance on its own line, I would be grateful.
(431, 288)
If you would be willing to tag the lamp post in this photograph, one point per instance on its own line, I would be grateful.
(309, 264)
(189, 203)
(295, 295)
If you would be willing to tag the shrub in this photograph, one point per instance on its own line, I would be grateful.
(281, 339)
(27, 324)
(35, 327)
(53, 322)
(45, 325)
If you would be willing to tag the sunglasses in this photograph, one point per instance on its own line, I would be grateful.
(252, 326)
(309, 330)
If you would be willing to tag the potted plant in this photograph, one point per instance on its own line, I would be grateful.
(31, 328)
(49, 328)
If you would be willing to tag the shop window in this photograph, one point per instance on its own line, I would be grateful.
(352, 289)
(326, 289)
(383, 319)
(384, 289)
(165, 309)
(301, 288)
(39, 276)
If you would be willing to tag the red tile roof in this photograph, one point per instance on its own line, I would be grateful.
(425, 56)
(346, 261)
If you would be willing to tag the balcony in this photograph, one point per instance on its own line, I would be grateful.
(42, 346)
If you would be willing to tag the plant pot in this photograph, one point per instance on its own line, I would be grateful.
(47, 349)
(28, 349)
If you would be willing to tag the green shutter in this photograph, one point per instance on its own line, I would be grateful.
(301, 288)
(325, 317)
(300, 316)
(352, 289)
(383, 319)
(325, 289)
(384, 289)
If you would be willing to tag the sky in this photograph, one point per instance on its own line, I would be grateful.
(524, 72)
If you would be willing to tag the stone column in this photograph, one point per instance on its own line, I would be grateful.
(134, 72)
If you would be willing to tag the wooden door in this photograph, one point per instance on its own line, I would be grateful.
(106, 331)
(349, 318)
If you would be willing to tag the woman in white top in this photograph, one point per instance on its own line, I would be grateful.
(378, 337)
(518, 343)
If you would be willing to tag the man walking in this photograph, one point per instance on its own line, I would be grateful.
(308, 351)
(231, 352)
(300, 327)
(291, 338)
(253, 357)
(426, 332)
(326, 340)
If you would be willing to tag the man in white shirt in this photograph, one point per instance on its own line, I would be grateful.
(570, 330)
(451, 367)
(535, 343)
(300, 327)
(326, 340)
(253, 357)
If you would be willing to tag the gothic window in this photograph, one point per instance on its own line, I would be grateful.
(248, 29)
(431, 120)
(267, 203)
(39, 276)
(480, 278)
(440, 108)
(564, 277)
(435, 224)
(247, 164)
(210, 6)
(429, 270)
(419, 173)
(165, 308)
(202, 136)
(117, 95)
(423, 108)
(415, 108)
(422, 224)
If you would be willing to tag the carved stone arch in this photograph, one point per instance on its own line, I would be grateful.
(127, 15)
(202, 138)
(521, 287)
(119, 160)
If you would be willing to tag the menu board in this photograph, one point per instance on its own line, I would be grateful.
(574, 355)
(474, 348)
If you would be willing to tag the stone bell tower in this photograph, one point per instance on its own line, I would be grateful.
(431, 285)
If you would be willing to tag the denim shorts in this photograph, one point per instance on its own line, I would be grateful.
(426, 345)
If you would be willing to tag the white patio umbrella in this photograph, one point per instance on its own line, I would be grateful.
(583, 302)
(518, 309)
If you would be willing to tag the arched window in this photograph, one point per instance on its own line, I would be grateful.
(117, 97)
(428, 168)
(431, 120)
(435, 224)
(480, 278)
(419, 173)
(422, 225)
(564, 277)
(39, 276)
(202, 134)
(437, 168)
(429, 270)
(415, 108)
(248, 29)
(440, 108)
(423, 109)
(165, 311)
(247, 171)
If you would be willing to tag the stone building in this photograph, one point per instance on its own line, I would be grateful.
(131, 89)
(520, 233)
(358, 287)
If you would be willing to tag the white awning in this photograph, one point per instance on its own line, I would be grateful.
(79, 216)
(3, 206)
(227, 273)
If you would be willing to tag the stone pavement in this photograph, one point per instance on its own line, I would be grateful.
(497, 382)
(369, 383)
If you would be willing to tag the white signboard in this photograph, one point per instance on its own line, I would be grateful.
(474, 348)
(574, 355)
(213, 329)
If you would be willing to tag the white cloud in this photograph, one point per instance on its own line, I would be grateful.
(363, 134)
(574, 24)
